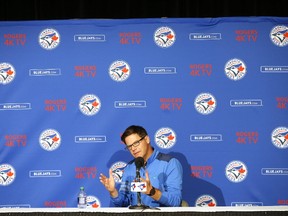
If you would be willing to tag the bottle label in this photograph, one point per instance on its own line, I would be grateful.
(82, 200)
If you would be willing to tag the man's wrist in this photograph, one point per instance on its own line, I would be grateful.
(114, 193)
(152, 192)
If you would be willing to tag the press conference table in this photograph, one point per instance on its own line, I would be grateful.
(167, 211)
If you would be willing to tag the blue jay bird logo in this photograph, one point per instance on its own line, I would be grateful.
(142, 186)
(165, 138)
(280, 137)
(89, 104)
(7, 73)
(93, 202)
(118, 170)
(50, 139)
(164, 37)
(236, 171)
(49, 39)
(119, 71)
(279, 35)
(138, 186)
(235, 69)
(205, 103)
(7, 174)
(206, 201)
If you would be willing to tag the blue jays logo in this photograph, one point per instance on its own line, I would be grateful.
(138, 186)
(50, 139)
(164, 37)
(280, 137)
(7, 73)
(205, 103)
(118, 170)
(205, 201)
(236, 171)
(119, 71)
(235, 69)
(7, 174)
(89, 104)
(165, 138)
(49, 39)
(279, 35)
(93, 202)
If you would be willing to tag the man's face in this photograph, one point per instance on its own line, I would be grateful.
(137, 145)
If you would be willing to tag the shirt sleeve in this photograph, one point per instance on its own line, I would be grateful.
(123, 199)
(172, 194)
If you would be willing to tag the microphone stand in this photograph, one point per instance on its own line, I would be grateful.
(139, 203)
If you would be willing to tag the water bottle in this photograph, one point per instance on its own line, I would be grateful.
(82, 201)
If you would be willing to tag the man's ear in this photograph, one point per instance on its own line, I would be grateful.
(147, 139)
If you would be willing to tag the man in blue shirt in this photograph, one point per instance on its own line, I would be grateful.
(162, 173)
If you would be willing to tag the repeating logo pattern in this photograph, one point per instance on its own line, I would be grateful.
(162, 71)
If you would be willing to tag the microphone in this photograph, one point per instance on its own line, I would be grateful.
(136, 186)
(139, 162)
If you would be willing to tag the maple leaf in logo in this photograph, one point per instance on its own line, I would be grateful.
(10, 174)
(242, 170)
(95, 104)
(210, 102)
(125, 70)
(10, 72)
(55, 139)
(240, 69)
(95, 205)
(170, 36)
(170, 137)
(54, 38)
(211, 204)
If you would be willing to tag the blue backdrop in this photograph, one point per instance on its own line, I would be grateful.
(211, 91)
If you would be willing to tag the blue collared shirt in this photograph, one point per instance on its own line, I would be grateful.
(165, 174)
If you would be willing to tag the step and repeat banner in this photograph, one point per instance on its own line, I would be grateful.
(213, 92)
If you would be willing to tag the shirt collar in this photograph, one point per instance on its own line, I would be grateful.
(152, 157)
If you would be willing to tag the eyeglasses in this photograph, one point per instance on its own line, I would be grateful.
(135, 144)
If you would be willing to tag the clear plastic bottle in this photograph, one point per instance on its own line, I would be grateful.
(82, 201)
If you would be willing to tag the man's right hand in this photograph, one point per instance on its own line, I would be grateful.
(109, 183)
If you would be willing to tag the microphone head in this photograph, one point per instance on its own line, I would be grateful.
(139, 162)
